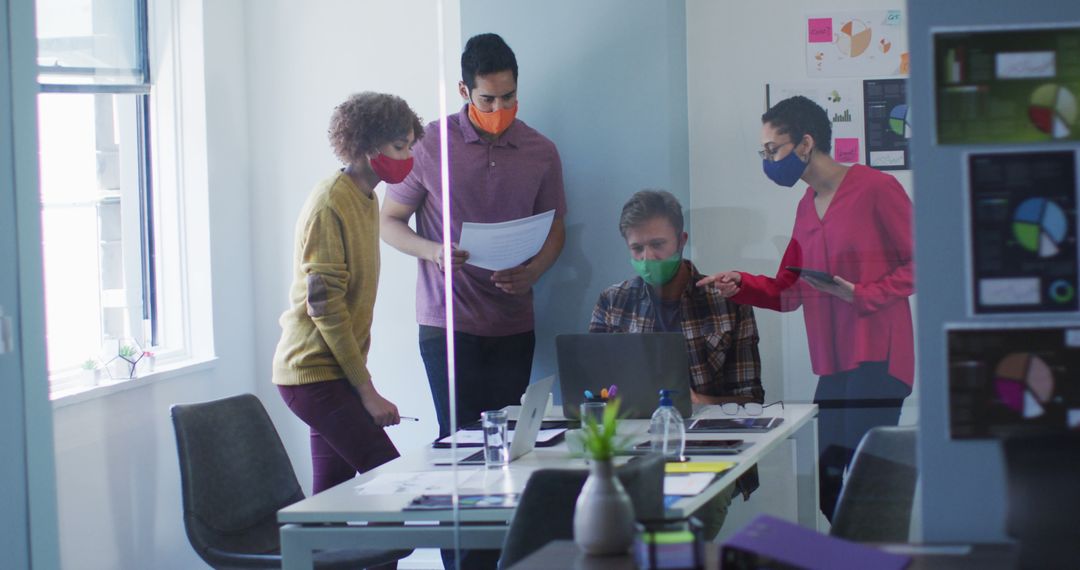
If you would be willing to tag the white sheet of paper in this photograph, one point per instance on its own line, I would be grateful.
(413, 483)
(688, 484)
(505, 244)
(475, 437)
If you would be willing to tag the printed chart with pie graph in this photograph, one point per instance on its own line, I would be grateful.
(853, 38)
(1024, 384)
(1053, 110)
(1040, 226)
(900, 121)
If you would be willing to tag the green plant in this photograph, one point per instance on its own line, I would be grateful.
(127, 351)
(600, 440)
(90, 364)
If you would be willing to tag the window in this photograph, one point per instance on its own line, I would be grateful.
(100, 211)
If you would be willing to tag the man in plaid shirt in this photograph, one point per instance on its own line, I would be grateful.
(721, 336)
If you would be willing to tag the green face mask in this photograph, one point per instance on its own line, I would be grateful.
(657, 272)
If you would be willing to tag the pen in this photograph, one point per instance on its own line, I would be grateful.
(588, 394)
(611, 391)
(409, 418)
(604, 393)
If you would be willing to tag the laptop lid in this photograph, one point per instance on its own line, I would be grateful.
(532, 415)
(640, 364)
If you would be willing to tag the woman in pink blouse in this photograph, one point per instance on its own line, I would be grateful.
(853, 229)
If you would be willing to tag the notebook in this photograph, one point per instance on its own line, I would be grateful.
(639, 364)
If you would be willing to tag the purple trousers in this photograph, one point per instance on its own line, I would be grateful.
(344, 438)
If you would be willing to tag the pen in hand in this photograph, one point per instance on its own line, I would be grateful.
(409, 418)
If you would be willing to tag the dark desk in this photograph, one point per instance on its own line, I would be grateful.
(565, 555)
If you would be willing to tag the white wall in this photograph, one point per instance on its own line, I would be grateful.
(303, 59)
(116, 462)
(273, 72)
(738, 218)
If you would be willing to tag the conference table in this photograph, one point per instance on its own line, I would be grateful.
(355, 514)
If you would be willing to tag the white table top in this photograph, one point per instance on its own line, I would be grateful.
(344, 504)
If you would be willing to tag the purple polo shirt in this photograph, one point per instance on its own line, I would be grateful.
(517, 176)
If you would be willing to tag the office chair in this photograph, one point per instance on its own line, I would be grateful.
(545, 511)
(875, 502)
(235, 476)
(1043, 513)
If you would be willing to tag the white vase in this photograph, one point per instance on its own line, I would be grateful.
(603, 515)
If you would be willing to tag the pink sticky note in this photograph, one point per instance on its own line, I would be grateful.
(819, 30)
(846, 150)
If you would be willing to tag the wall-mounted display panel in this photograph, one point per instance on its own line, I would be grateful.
(1022, 224)
(1007, 85)
(1014, 380)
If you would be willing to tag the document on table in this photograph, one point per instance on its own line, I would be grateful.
(414, 483)
(505, 244)
(686, 485)
(475, 438)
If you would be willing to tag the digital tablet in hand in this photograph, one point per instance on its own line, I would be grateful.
(811, 273)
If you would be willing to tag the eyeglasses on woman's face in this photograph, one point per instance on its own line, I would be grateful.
(751, 408)
(769, 152)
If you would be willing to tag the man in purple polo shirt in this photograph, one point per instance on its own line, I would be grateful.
(500, 169)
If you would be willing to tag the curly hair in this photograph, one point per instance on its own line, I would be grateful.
(800, 116)
(366, 121)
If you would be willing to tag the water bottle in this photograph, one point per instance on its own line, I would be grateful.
(667, 429)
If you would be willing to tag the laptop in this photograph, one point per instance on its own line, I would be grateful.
(639, 364)
(528, 423)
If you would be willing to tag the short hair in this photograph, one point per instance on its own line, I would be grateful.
(366, 121)
(485, 54)
(648, 204)
(798, 116)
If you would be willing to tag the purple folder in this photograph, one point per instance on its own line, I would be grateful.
(770, 542)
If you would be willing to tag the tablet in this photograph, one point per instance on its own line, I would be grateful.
(811, 273)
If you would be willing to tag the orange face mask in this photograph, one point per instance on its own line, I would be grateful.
(494, 122)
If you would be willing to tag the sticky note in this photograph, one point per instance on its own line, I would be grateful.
(846, 150)
(819, 30)
(699, 467)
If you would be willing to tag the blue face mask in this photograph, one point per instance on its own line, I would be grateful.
(786, 171)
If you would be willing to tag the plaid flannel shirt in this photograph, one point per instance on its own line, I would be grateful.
(721, 335)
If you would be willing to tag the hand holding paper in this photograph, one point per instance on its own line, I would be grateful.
(506, 245)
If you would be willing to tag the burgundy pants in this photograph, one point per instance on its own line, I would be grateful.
(344, 438)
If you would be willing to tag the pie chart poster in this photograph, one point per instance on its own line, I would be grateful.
(1013, 381)
(1023, 232)
(1007, 86)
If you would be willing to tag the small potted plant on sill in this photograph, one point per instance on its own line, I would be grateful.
(603, 514)
(91, 372)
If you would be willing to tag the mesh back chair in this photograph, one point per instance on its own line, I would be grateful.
(546, 509)
(1042, 472)
(875, 503)
(235, 476)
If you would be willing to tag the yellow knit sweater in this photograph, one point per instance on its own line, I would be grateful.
(326, 331)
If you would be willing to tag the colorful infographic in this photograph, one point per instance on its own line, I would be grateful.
(867, 43)
(1023, 232)
(1007, 86)
(842, 101)
(888, 123)
(1008, 381)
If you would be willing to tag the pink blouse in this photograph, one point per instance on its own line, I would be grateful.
(865, 238)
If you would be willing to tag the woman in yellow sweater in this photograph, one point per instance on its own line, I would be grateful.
(320, 365)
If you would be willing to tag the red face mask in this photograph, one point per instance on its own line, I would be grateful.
(391, 170)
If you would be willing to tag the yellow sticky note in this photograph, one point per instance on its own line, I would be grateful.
(699, 467)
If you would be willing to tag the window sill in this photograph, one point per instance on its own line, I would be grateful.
(73, 396)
